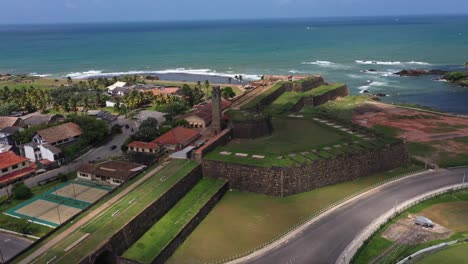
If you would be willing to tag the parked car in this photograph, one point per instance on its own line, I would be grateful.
(113, 147)
(423, 221)
(127, 126)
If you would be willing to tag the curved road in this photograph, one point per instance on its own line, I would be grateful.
(324, 240)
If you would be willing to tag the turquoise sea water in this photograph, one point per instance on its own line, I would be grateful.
(341, 49)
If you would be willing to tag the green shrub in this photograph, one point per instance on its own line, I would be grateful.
(21, 192)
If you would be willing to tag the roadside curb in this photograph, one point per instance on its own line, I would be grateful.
(301, 226)
(18, 234)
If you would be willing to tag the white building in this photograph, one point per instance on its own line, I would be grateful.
(45, 152)
(112, 87)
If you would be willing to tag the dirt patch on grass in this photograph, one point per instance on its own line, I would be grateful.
(404, 231)
(416, 126)
(454, 215)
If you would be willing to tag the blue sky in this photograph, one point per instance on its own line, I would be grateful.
(54, 11)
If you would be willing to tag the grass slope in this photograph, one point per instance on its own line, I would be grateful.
(242, 221)
(150, 245)
(453, 254)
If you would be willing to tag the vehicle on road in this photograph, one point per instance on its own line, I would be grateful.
(113, 147)
(127, 126)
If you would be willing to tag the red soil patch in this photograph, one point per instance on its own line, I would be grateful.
(416, 126)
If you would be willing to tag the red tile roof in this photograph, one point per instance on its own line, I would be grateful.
(60, 132)
(6, 121)
(9, 158)
(205, 111)
(178, 135)
(166, 90)
(18, 174)
(144, 145)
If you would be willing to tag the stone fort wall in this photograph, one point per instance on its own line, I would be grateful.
(284, 181)
(134, 229)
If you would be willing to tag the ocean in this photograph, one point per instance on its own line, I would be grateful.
(340, 49)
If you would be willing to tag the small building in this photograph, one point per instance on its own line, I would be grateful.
(13, 168)
(9, 121)
(202, 114)
(186, 153)
(40, 119)
(104, 116)
(121, 91)
(111, 88)
(58, 135)
(112, 172)
(44, 153)
(166, 90)
(148, 147)
(6, 135)
(177, 138)
(423, 221)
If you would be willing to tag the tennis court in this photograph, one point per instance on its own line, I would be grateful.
(59, 204)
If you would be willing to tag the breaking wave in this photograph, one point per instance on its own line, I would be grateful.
(206, 72)
(371, 62)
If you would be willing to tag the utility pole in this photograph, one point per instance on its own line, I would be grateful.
(464, 176)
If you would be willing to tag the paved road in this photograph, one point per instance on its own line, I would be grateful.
(10, 245)
(101, 152)
(324, 240)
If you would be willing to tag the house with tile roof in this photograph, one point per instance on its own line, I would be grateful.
(112, 172)
(58, 135)
(175, 139)
(14, 168)
(202, 114)
(9, 121)
(45, 154)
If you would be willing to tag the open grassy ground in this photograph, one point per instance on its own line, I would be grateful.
(454, 254)
(17, 225)
(150, 245)
(449, 210)
(291, 135)
(104, 225)
(260, 97)
(42, 83)
(242, 221)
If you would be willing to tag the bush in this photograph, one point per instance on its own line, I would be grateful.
(124, 148)
(21, 192)
(62, 177)
(455, 76)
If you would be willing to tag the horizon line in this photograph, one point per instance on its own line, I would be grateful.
(231, 19)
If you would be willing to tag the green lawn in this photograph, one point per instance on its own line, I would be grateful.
(448, 209)
(106, 224)
(291, 135)
(454, 254)
(253, 103)
(242, 221)
(150, 245)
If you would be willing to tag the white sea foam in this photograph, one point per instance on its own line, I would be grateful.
(35, 74)
(326, 64)
(386, 73)
(370, 85)
(371, 62)
(209, 72)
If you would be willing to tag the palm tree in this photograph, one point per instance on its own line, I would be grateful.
(207, 86)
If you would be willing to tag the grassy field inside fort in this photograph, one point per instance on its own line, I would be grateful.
(242, 221)
(104, 225)
(291, 135)
(449, 210)
(153, 242)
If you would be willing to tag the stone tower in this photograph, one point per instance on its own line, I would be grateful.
(217, 115)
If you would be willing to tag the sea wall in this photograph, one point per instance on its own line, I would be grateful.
(329, 96)
(296, 86)
(284, 181)
(136, 227)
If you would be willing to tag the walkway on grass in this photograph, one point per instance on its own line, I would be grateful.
(44, 248)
